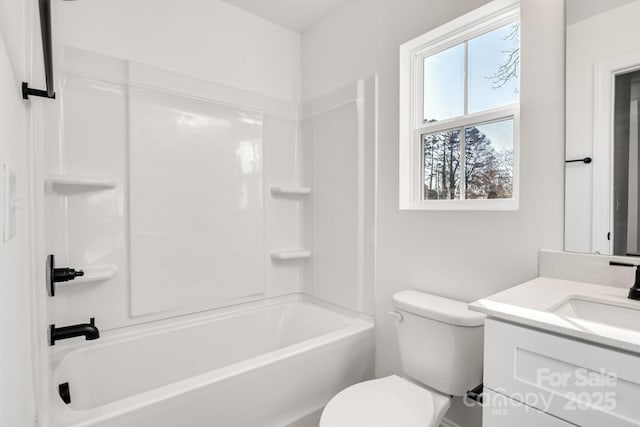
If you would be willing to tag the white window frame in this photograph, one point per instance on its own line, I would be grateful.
(412, 53)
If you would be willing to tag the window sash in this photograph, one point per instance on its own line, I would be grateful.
(463, 164)
(511, 112)
(433, 49)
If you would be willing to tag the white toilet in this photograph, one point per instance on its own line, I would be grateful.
(441, 344)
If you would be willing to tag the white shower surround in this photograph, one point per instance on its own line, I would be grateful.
(100, 131)
(284, 371)
(192, 179)
(267, 363)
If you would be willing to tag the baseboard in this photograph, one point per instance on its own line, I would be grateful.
(310, 420)
(448, 423)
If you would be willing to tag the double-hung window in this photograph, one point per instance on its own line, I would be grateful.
(459, 113)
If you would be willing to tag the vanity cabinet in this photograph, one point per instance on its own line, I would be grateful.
(557, 380)
(505, 412)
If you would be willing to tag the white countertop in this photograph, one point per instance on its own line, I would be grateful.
(531, 303)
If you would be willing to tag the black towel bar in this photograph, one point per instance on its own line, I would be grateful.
(47, 52)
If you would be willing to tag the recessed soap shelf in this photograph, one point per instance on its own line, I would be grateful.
(73, 184)
(290, 254)
(291, 192)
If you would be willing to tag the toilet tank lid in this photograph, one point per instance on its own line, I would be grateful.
(438, 308)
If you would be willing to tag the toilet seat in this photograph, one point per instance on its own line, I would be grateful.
(386, 402)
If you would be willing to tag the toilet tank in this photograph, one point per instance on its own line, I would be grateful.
(440, 341)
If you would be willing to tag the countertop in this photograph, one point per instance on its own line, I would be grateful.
(531, 304)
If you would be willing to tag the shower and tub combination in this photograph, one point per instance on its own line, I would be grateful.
(200, 265)
(268, 363)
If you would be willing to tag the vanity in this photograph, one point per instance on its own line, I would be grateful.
(561, 353)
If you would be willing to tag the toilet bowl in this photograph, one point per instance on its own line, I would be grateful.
(386, 402)
(440, 343)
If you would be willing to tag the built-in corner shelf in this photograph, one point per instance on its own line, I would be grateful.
(72, 183)
(290, 254)
(291, 192)
(97, 273)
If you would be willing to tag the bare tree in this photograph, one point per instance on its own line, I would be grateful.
(510, 69)
(487, 173)
(441, 165)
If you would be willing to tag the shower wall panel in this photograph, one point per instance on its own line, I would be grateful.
(339, 132)
(157, 185)
(196, 202)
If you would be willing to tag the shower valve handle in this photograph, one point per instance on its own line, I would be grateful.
(56, 275)
(66, 274)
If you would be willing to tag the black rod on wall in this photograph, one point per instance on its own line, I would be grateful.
(586, 160)
(47, 52)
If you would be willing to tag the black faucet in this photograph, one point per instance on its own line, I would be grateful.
(634, 292)
(87, 330)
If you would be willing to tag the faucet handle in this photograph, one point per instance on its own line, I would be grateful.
(634, 292)
(55, 275)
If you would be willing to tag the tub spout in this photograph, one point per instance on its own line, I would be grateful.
(86, 330)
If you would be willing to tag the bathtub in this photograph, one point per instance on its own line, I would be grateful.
(271, 363)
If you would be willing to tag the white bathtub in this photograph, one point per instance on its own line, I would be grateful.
(265, 364)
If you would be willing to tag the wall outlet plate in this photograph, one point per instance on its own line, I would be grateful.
(10, 201)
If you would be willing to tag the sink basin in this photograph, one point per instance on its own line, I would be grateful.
(617, 315)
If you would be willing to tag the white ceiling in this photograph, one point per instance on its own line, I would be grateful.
(297, 15)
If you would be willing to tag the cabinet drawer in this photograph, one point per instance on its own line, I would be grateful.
(582, 383)
(501, 411)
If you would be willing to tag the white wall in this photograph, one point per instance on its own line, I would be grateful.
(16, 387)
(208, 39)
(13, 16)
(464, 255)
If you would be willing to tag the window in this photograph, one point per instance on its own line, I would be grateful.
(459, 113)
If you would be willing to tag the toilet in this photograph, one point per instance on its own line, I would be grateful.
(441, 344)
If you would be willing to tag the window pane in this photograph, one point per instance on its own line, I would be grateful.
(489, 160)
(444, 84)
(494, 68)
(441, 160)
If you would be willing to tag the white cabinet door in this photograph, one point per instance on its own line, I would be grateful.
(583, 383)
(500, 411)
